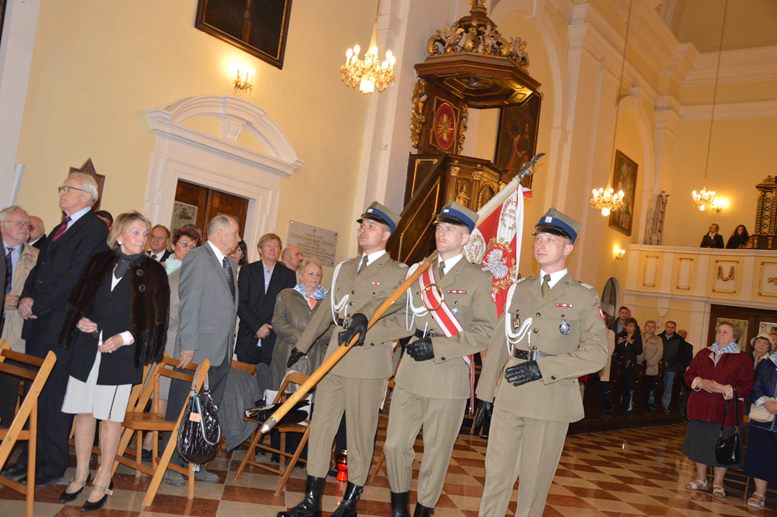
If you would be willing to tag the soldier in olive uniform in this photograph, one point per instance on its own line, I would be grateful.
(357, 383)
(433, 380)
(552, 332)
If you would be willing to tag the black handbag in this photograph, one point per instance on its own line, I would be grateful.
(200, 431)
(727, 450)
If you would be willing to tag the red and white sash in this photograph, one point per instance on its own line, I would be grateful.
(434, 302)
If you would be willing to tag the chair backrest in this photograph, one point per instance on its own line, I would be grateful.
(291, 378)
(164, 368)
(248, 368)
(38, 378)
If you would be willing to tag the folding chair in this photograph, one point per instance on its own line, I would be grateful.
(248, 368)
(302, 428)
(28, 411)
(139, 421)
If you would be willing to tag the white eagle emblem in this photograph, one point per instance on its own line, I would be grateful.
(495, 263)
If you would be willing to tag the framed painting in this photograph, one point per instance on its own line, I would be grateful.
(516, 139)
(624, 178)
(183, 214)
(258, 27)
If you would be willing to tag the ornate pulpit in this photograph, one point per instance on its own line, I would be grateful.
(469, 65)
(764, 234)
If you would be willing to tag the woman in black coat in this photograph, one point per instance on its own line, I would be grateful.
(116, 323)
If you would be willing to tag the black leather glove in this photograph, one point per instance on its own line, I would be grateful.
(523, 373)
(420, 350)
(294, 356)
(485, 409)
(358, 325)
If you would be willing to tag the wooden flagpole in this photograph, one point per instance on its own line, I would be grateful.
(333, 359)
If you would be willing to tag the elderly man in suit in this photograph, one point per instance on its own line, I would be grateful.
(43, 305)
(207, 312)
(357, 383)
(551, 332)
(260, 282)
(450, 315)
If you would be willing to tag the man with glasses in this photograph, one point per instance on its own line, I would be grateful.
(19, 259)
(43, 304)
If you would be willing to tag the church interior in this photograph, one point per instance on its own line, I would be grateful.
(657, 98)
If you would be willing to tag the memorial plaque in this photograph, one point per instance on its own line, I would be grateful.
(314, 242)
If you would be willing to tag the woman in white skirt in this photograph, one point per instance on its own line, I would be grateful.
(117, 322)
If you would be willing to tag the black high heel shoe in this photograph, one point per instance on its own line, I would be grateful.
(92, 506)
(68, 497)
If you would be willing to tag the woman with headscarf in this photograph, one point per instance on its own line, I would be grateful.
(720, 376)
(116, 323)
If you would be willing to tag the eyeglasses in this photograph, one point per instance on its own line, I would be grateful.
(68, 188)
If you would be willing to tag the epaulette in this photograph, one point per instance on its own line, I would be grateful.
(403, 265)
(522, 279)
(587, 286)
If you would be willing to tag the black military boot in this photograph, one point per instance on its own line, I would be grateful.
(310, 506)
(422, 511)
(347, 507)
(399, 504)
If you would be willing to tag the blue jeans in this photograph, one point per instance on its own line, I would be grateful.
(666, 398)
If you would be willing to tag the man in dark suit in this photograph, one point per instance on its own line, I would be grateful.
(207, 311)
(160, 240)
(260, 283)
(43, 304)
(712, 239)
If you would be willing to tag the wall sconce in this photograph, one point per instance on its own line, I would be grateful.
(719, 204)
(619, 253)
(244, 81)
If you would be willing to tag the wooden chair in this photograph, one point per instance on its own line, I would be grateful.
(138, 421)
(28, 412)
(248, 368)
(302, 428)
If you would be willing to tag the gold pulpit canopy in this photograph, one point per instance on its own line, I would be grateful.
(472, 60)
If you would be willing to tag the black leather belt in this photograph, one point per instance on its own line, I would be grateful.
(429, 333)
(527, 355)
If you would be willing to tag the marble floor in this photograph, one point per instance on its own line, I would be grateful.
(630, 472)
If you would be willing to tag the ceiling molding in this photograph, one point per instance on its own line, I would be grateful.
(739, 66)
(733, 111)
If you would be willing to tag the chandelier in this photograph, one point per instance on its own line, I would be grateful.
(368, 73)
(606, 199)
(705, 199)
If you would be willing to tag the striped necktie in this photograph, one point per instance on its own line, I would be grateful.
(61, 229)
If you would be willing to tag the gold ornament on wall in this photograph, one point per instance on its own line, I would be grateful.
(417, 118)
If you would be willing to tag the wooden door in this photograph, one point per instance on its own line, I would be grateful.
(750, 321)
(197, 205)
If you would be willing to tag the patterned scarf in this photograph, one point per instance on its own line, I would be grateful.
(318, 294)
(773, 357)
(731, 348)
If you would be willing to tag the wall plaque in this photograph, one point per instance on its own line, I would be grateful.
(313, 241)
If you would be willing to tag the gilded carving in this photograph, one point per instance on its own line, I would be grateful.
(477, 34)
(729, 276)
(417, 117)
(462, 128)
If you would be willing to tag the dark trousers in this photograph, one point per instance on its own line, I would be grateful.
(9, 387)
(650, 391)
(179, 393)
(53, 425)
(628, 377)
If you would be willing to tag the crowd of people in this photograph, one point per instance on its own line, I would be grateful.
(110, 296)
(718, 386)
